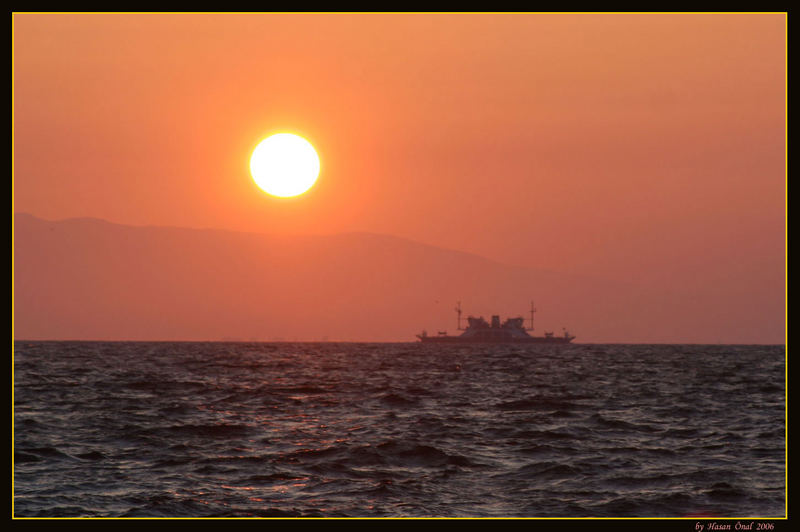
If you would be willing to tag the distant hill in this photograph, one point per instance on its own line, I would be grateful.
(91, 279)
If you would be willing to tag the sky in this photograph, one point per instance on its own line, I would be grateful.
(646, 148)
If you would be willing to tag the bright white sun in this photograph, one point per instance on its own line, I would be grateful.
(284, 165)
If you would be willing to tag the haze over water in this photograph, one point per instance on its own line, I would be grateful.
(391, 430)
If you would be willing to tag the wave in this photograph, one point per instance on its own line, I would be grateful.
(371, 430)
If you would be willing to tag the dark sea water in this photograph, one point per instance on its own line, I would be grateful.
(124, 429)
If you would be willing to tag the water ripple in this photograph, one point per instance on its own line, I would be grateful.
(391, 430)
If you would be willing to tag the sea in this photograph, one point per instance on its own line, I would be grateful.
(398, 430)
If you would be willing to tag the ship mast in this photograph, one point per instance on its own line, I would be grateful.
(533, 309)
(458, 311)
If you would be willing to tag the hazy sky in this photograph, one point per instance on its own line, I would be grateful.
(636, 147)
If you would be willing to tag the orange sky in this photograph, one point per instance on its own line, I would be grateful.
(633, 147)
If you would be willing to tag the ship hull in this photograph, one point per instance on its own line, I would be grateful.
(460, 340)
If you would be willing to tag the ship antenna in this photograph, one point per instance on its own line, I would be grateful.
(533, 309)
(458, 310)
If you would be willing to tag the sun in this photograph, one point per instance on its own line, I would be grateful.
(284, 165)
